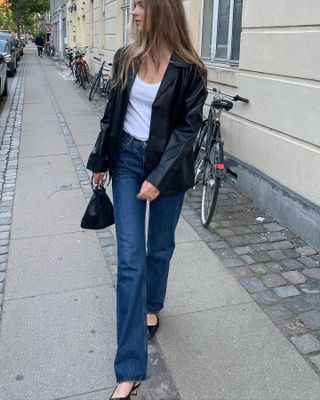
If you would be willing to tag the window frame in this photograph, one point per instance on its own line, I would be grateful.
(125, 7)
(214, 35)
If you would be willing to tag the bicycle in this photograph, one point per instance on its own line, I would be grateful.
(68, 56)
(50, 50)
(104, 86)
(80, 68)
(208, 153)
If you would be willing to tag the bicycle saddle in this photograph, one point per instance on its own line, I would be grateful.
(225, 104)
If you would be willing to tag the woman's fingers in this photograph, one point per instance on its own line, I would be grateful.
(98, 178)
(148, 192)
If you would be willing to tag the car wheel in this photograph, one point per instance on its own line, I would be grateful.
(5, 91)
(10, 71)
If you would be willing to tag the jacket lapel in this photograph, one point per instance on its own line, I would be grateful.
(171, 72)
(132, 72)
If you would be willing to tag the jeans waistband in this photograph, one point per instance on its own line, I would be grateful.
(131, 139)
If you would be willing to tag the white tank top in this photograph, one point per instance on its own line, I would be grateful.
(138, 116)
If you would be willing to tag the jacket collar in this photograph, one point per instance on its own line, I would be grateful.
(176, 62)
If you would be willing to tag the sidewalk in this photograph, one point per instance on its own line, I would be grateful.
(58, 320)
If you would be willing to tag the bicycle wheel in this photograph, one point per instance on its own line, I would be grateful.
(211, 184)
(95, 86)
(199, 151)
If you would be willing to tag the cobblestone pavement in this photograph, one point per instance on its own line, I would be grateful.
(279, 270)
(9, 155)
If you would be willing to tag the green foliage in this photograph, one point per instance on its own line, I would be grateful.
(6, 21)
(24, 12)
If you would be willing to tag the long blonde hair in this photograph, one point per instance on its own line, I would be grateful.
(167, 26)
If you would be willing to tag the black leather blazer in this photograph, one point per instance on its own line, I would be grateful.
(175, 120)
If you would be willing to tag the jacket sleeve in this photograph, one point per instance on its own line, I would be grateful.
(98, 159)
(182, 138)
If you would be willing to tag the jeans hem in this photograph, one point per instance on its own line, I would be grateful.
(137, 378)
(153, 311)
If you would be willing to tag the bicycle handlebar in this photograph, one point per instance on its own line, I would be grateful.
(239, 98)
(231, 96)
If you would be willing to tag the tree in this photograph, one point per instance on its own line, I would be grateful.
(23, 10)
(6, 21)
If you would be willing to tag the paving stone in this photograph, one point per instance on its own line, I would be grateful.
(297, 304)
(294, 277)
(203, 233)
(243, 250)
(252, 284)
(237, 241)
(241, 230)
(292, 264)
(241, 272)
(226, 253)
(316, 361)
(278, 312)
(306, 251)
(310, 287)
(218, 245)
(106, 242)
(4, 235)
(261, 257)
(256, 238)
(4, 250)
(257, 228)
(276, 255)
(306, 343)
(276, 236)
(298, 242)
(224, 232)
(313, 300)
(262, 247)
(2, 276)
(273, 227)
(313, 273)
(264, 298)
(286, 291)
(292, 327)
(3, 258)
(290, 253)
(266, 268)
(248, 260)
(309, 262)
(232, 262)
(311, 319)
(273, 280)
(3, 267)
(4, 242)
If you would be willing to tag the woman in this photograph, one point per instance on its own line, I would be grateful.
(146, 146)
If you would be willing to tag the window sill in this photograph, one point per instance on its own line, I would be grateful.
(223, 74)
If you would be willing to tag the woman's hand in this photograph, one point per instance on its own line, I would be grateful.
(148, 192)
(99, 178)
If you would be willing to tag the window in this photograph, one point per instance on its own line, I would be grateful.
(221, 30)
(125, 20)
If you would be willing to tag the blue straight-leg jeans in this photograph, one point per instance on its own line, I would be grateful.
(142, 267)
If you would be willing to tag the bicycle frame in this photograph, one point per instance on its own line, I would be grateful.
(214, 127)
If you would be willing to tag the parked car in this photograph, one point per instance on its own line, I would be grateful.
(3, 76)
(19, 46)
(12, 58)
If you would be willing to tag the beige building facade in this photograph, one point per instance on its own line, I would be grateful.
(267, 51)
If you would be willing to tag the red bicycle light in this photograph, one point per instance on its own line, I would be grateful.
(220, 166)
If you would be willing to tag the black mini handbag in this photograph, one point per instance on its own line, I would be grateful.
(99, 213)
